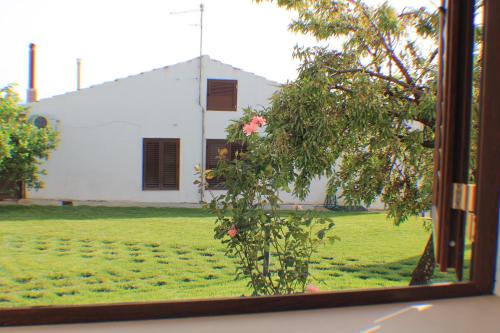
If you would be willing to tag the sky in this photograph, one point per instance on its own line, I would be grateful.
(118, 38)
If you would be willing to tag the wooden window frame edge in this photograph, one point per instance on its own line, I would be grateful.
(488, 190)
(225, 306)
(484, 255)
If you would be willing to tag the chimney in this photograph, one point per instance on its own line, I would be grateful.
(32, 93)
(78, 72)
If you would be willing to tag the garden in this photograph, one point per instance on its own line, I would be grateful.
(84, 255)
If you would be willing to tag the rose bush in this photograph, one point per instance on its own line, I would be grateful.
(273, 248)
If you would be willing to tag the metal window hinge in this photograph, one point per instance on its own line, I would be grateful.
(471, 222)
(464, 197)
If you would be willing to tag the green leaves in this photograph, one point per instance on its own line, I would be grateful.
(22, 144)
(364, 115)
(321, 234)
(272, 247)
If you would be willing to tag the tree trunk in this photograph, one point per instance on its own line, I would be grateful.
(425, 267)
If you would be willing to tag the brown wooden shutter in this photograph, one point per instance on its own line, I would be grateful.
(213, 147)
(212, 158)
(170, 165)
(236, 148)
(222, 95)
(151, 165)
(452, 133)
(161, 164)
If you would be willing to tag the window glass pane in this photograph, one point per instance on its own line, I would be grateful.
(322, 183)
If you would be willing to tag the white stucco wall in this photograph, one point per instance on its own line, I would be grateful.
(99, 157)
(101, 131)
(101, 128)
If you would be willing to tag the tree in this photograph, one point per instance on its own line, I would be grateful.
(22, 144)
(364, 115)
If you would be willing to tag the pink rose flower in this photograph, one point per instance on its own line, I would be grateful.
(250, 128)
(232, 232)
(260, 121)
(311, 289)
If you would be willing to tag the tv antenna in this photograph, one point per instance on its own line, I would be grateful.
(200, 89)
(200, 10)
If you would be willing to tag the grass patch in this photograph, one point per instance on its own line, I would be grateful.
(81, 255)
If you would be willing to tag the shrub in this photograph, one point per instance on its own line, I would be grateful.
(273, 248)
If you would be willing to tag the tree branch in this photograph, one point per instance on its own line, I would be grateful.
(429, 61)
(399, 63)
(425, 122)
(411, 12)
(425, 143)
(339, 87)
(374, 74)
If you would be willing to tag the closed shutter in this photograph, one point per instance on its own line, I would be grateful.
(161, 164)
(222, 95)
(151, 164)
(213, 147)
(212, 159)
(236, 148)
(170, 165)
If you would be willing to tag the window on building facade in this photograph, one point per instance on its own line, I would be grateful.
(213, 156)
(222, 95)
(160, 164)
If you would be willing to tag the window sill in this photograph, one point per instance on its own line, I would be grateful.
(473, 314)
(160, 189)
(234, 305)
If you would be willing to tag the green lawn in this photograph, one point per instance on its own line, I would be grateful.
(77, 255)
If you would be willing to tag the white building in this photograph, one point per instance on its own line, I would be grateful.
(138, 139)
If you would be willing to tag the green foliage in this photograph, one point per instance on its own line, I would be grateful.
(22, 144)
(273, 249)
(476, 88)
(364, 115)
